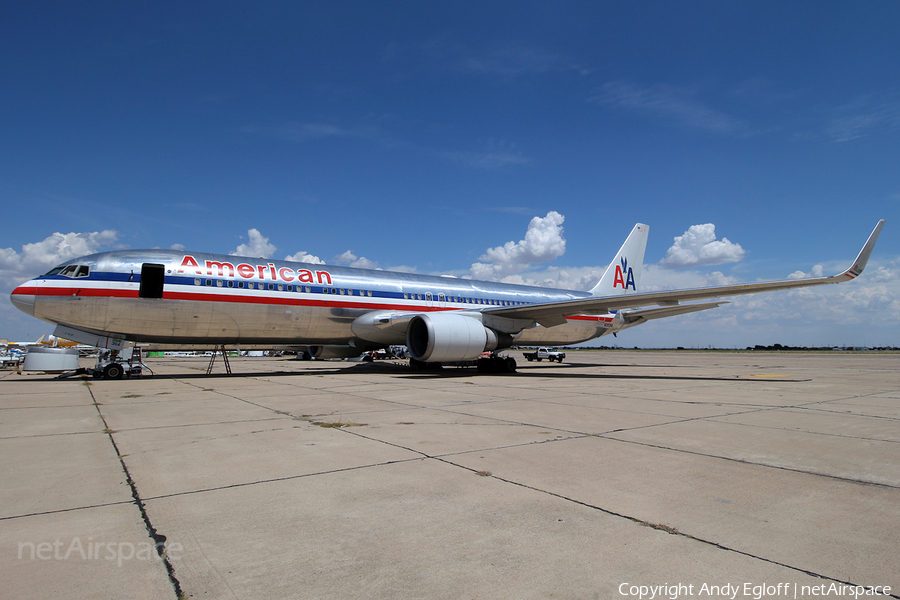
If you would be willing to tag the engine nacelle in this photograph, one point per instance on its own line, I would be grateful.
(447, 337)
(323, 352)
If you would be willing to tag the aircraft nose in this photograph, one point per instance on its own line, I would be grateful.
(23, 298)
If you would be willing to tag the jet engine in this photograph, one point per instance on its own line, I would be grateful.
(450, 337)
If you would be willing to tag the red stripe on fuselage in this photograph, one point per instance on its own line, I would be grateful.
(250, 297)
(25, 291)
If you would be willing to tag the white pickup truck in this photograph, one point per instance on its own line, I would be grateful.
(550, 354)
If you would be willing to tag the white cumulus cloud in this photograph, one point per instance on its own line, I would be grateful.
(699, 247)
(39, 257)
(259, 246)
(305, 257)
(360, 262)
(543, 242)
(816, 271)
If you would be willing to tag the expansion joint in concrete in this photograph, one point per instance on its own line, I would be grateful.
(159, 540)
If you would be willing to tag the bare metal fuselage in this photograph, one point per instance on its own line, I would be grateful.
(216, 299)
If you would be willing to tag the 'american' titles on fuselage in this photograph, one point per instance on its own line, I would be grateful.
(261, 272)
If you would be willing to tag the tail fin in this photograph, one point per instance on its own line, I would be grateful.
(624, 273)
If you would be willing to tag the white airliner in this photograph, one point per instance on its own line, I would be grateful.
(168, 296)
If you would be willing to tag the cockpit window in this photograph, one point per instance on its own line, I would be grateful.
(70, 271)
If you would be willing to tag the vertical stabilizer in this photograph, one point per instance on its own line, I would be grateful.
(624, 272)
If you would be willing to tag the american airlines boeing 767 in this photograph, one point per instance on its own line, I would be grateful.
(168, 296)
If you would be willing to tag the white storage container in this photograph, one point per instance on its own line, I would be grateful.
(51, 360)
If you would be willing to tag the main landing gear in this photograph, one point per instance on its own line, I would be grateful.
(496, 364)
(418, 365)
(486, 364)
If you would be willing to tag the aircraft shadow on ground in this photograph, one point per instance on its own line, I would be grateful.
(572, 371)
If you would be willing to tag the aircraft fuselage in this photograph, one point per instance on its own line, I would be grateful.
(167, 296)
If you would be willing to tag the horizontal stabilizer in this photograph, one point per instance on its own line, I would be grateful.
(630, 316)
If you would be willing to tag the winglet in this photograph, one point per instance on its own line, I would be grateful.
(860, 263)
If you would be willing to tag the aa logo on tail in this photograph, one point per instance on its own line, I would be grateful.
(624, 276)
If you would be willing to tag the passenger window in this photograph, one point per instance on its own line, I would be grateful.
(280, 287)
(197, 282)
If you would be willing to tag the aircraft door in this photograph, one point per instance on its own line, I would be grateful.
(152, 278)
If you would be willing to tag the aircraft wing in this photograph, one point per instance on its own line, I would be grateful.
(554, 313)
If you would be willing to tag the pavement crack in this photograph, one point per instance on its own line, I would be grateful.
(660, 527)
(63, 510)
(159, 540)
(755, 464)
(286, 478)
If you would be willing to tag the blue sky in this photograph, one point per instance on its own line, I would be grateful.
(421, 135)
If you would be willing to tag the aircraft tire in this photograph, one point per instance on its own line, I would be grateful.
(113, 371)
(418, 365)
